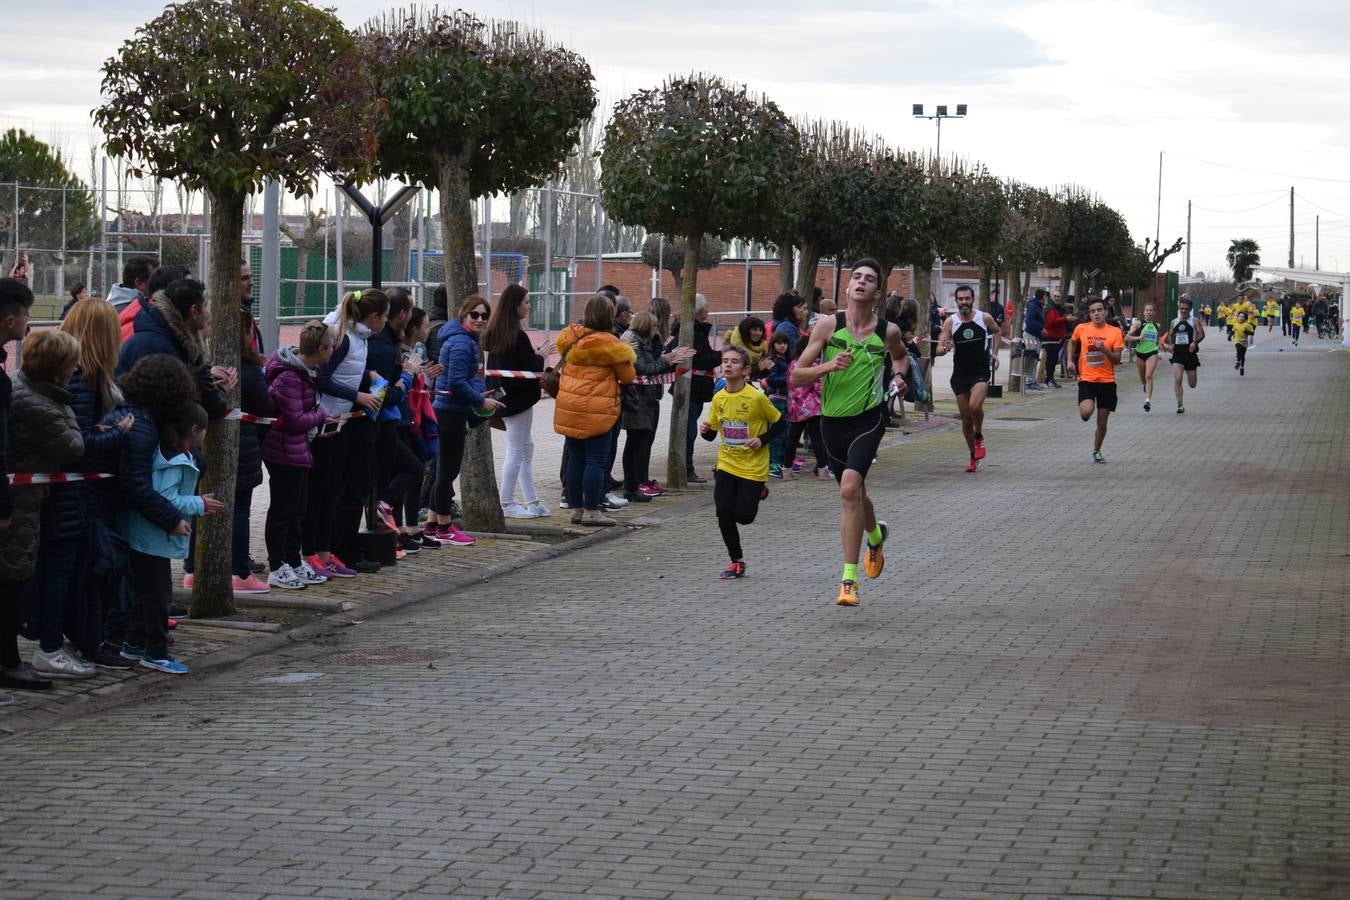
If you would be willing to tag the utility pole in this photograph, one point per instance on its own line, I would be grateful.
(1291, 228)
(1157, 228)
(1188, 239)
(1317, 243)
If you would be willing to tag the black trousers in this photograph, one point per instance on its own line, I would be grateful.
(637, 458)
(283, 529)
(11, 596)
(811, 427)
(1241, 354)
(400, 471)
(325, 479)
(737, 502)
(151, 591)
(454, 432)
(357, 477)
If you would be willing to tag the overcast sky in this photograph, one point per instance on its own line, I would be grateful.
(1245, 98)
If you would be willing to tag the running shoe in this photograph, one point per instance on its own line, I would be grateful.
(798, 464)
(735, 570)
(1242, 370)
(308, 574)
(1180, 409)
(615, 500)
(1097, 456)
(336, 568)
(775, 471)
(651, 489)
(166, 664)
(1148, 405)
(285, 577)
(456, 538)
(764, 491)
(979, 448)
(516, 511)
(874, 561)
(187, 582)
(973, 465)
(538, 510)
(384, 516)
(132, 653)
(407, 544)
(848, 594)
(250, 585)
(427, 541)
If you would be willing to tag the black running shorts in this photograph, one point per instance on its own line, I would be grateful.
(852, 442)
(1188, 361)
(963, 385)
(1103, 393)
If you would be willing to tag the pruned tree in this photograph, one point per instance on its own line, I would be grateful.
(306, 238)
(221, 95)
(671, 257)
(894, 198)
(56, 210)
(473, 108)
(693, 157)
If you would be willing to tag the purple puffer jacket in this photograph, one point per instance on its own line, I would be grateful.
(292, 388)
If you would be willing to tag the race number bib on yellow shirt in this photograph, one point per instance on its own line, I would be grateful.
(734, 433)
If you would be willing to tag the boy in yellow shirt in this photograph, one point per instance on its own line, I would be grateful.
(748, 422)
(1242, 339)
(1296, 315)
(1271, 312)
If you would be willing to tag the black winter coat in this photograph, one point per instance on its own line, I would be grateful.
(160, 329)
(64, 516)
(705, 359)
(253, 398)
(521, 393)
(135, 466)
(641, 403)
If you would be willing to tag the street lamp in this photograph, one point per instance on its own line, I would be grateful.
(939, 116)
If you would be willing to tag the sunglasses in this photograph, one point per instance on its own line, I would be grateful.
(478, 316)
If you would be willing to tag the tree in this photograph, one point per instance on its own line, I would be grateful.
(221, 95)
(671, 257)
(56, 210)
(306, 238)
(887, 220)
(473, 108)
(1244, 254)
(695, 156)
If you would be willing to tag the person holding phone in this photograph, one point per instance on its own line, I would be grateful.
(508, 347)
(459, 391)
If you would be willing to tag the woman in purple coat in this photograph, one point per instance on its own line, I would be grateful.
(285, 449)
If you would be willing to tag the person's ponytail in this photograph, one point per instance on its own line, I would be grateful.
(348, 313)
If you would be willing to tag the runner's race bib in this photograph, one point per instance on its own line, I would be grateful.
(1182, 338)
(735, 434)
(1095, 355)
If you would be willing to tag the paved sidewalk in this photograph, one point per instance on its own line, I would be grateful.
(1072, 680)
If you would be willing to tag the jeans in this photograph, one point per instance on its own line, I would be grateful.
(586, 469)
(285, 515)
(637, 458)
(60, 607)
(518, 466)
(614, 434)
(777, 445)
(454, 430)
(330, 458)
(151, 590)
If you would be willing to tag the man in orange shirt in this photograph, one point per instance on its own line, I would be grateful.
(1094, 351)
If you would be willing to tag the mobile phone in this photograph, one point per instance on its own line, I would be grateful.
(499, 393)
(330, 427)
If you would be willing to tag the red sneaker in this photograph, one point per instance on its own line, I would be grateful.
(979, 448)
(972, 465)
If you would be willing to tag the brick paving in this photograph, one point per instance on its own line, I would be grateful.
(1072, 680)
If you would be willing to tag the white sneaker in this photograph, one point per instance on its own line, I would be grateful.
(286, 577)
(59, 664)
(616, 500)
(516, 511)
(538, 510)
(308, 575)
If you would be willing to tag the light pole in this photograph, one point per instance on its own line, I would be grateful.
(939, 116)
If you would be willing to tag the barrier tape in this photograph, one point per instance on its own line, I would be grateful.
(239, 415)
(56, 477)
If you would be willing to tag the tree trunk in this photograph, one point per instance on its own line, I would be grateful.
(806, 272)
(1015, 325)
(677, 463)
(481, 502)
(987, 279)
(785, 268)
(212, 593)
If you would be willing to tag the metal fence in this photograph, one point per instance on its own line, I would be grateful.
(539, 237)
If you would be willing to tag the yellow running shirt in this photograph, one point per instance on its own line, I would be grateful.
(738, 417)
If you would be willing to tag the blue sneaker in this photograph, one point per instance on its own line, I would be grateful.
(131, 653)
(167, 665)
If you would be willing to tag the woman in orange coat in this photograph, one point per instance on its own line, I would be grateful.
(596, 363)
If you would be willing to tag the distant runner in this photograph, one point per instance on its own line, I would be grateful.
(968, 333)
(1095, 350)
(1183, 342)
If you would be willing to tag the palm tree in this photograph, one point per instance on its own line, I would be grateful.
(1244, 254)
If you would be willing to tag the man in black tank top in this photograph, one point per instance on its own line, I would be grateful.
(1183, 342)
(967, 334)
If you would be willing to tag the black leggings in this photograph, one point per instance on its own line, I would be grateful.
(737, 503)
(1241, 354)
(454, 430)
(357, 476)
(282, 531)
(11, 593)
(325, 488)
(1051, 350)
(151, 590)
(400, 470)
(811, 427)
(637, 457)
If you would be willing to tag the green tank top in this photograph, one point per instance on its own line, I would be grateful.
(1148, 337)
(857, 388)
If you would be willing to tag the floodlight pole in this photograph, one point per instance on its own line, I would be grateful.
(940, 114)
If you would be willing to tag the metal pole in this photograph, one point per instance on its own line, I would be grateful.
(103, 230)
(599, 244)
(1317, 242)
(421, 247)
(660, 264)
(1291, 227)
(547, 204)
(749, 280)
(1188, 239)
(938, 155)
(271, 264)
(121, 205)
(340, 211)
(61, 269)
(1157, 228)
(487, 246)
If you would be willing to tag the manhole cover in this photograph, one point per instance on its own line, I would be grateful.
(380, 656)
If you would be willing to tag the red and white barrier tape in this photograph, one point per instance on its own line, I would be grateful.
(56, 477)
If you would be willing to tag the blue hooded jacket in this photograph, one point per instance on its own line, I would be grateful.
(461, 356)
(1033, 322)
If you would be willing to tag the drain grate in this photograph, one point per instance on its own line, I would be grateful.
(380, 656)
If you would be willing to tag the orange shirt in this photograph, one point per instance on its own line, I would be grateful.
(1093, 342)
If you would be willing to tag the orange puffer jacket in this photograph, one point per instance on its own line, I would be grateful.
(588, 393)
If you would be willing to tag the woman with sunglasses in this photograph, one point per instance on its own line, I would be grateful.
(460, 390)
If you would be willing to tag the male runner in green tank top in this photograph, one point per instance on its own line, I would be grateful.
(854, 344)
